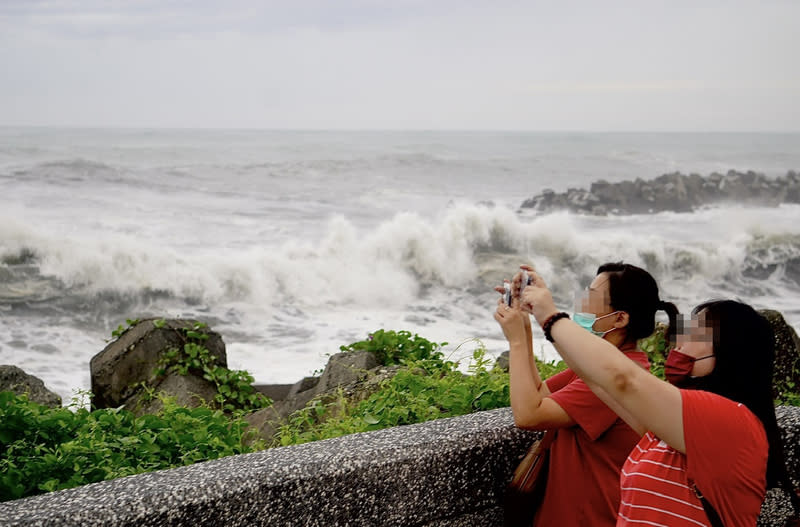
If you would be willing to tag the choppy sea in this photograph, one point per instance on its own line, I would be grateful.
(292, 243)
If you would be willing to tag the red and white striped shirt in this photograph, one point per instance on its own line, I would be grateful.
(726, 457)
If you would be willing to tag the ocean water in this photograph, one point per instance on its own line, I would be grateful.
(293, 243)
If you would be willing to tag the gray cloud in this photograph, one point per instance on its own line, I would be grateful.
(401, 64)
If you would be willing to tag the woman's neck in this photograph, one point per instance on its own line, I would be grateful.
(628, 346)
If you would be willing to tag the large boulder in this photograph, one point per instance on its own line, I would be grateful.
(118, 371)
(14, 379)
(348, 378)
(346, 367)
(787, 353)
(189, 391)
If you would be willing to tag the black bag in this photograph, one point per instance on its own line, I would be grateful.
(711, 512)
(525, 492)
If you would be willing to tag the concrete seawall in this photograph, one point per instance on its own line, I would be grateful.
(448, 473)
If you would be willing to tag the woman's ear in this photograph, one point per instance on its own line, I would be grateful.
(622, 320)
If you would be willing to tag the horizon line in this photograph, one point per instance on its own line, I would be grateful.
(418, 130)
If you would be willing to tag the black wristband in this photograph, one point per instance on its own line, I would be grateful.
(548, 324)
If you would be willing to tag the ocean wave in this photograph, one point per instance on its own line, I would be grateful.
(72, 170)
(773, 257)
(468, 247)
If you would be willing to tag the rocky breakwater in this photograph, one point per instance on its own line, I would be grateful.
(671, 192)
(132, 368)
(130, 373)
(134, 372)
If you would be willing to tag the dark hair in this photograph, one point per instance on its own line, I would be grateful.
(744, 346)
(634, 290)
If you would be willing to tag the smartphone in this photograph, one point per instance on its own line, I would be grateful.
(507, 294)
(526, 281)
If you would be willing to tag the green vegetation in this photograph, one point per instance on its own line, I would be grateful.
(656, 348)
(425, 387)
(117, 333)
(45, 449)
(397, 347)
(235, 392)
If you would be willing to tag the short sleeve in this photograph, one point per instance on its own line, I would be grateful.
(585, 408)
(726, 448)
(559, 380)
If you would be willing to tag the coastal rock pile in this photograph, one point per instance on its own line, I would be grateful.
(671, 192)
(119, 372)
(348, 377)
(123, 375)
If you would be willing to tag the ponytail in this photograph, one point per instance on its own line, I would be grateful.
(672, 313)
(633, 290)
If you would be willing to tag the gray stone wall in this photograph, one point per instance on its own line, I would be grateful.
(444, 473)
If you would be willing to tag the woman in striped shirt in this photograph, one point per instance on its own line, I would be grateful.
(712, 445)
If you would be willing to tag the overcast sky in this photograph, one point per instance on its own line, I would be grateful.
(704, 65)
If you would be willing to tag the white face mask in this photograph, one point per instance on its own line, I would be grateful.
(587, 320)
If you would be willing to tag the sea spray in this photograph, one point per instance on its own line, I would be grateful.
(291, 244)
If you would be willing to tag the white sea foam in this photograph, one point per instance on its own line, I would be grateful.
(293, 250)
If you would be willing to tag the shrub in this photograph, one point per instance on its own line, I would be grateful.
(397, 347)
(421, 390)
(45, 449)
(655, 346)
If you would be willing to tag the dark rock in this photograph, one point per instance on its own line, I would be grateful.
(787, 352)
(117, 370)
(190, 391)
(346, 368)
(351, 378)
(267, 421)
(502, 361)
(303, 385)
(671, 192)
(14, 379)
(276, 392)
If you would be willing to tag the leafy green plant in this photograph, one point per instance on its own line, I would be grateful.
(235, 392)
(788, 395)
(421, 390)
(130, 322)
(655, 346)
(44, 449)
(548, 369)
(396, 347)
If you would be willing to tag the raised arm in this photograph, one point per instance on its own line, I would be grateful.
(529, 402)
(641, 397)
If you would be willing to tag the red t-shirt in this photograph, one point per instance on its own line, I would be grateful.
(726, 458)
(585, 459)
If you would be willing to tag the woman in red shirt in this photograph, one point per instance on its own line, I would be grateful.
(711, 431)
(591, 442)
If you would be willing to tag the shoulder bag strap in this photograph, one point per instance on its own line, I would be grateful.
(548, 438)
(711, 512)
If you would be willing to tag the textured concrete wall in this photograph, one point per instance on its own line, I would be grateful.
(445, 473)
